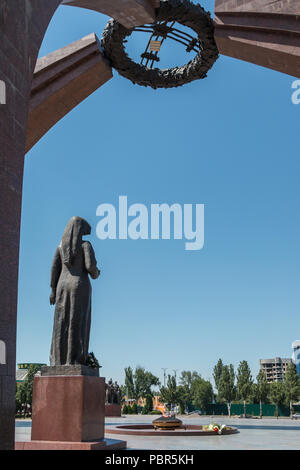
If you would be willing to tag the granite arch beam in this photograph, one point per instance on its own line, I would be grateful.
(263, 33)
(64, 78)
(129, 13)
(291, 7)
(61, 81)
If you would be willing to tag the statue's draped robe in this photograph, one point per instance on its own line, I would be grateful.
(72, 318)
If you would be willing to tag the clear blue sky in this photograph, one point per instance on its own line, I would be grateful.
(230, 142)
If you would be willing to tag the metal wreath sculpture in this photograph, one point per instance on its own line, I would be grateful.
(170, 11)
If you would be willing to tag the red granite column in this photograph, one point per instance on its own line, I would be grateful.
(23, 24)
(22, 27)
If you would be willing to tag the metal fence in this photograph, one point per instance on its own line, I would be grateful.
(252, 409)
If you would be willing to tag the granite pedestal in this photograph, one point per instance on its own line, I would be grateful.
(112, 409)
(68, 410)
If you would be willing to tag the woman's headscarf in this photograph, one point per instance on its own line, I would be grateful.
(72, 238)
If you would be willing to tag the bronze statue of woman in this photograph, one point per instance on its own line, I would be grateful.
(73, 262)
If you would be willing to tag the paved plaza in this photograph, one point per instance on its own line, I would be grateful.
(254, 434)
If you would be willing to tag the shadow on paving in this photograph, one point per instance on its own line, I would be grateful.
(136, 423)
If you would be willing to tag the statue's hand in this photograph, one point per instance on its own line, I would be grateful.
(52, 297)
(95, 273)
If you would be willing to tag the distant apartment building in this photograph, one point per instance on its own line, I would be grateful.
(296, 355)
(274, 368)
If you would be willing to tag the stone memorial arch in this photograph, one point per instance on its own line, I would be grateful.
(34, 95)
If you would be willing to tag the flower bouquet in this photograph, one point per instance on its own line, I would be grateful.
(217, 428)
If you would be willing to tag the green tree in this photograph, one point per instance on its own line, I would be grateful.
(186, 381)
(125, 410)
(244, 383)
(227, 388)
(149, 402)
(148, 405)
(139, 384)
(184, 398)
(291, 384)
(24, 391)
(181, 408)
(134, 409)
(145, 380)
(261, 390)
(170, 395)
(123, 394)
(187, 378)
(20, 398)
(202, 393)
(217, 373)
(129, 382)
(277, 395)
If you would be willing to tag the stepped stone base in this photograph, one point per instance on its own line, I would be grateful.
(105, 444)
(73, 369)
